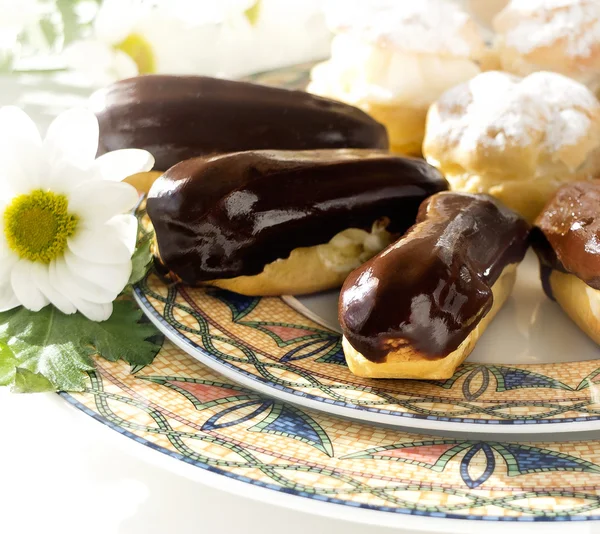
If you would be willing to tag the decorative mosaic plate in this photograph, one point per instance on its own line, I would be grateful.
(269, 346)
(181, 408)
(532, 371)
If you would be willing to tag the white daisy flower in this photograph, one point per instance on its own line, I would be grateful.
(66, 237)
(131, 37)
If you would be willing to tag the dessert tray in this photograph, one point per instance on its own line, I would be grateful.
(252, 389)
(183, 409)
(280, 347)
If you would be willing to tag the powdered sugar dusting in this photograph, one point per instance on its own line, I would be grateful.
(532, 24)
(496, 109)
(427, 26)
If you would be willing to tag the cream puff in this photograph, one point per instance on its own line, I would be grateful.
(283, 222)
(566, 239)
(417, 309)
(394, 58)
(485, 11)
(517, 139)
(556, 35)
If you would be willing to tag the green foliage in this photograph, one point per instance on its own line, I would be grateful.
(48, 350)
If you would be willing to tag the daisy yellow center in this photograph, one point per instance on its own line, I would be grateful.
(140, 50)
(37, 225)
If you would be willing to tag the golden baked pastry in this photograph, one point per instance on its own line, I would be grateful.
(517, 139)
(275, 222)
(394, 58)
(567, 241)
(485, 11)
(417, 309)
(143, 181)
(557, 35)
(412, 364)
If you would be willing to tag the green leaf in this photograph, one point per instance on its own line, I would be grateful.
(50, 31)
(59, 347)
(141, 260)
(123, 337)
(8, 364)
(68, 13)
(253, 12)
(28, 382)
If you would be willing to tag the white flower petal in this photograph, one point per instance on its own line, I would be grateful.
(17, 175)
(73, 286)
(99, 245)
(6, 265)
(116, 19)
(93, 59)
(72, 137)
(8, 299)
(94, 312)
(58, 276)
(126, 227)
(120, 164)
(123, 66)
(5, 250)
(96, 201)
(87, 54)
(16, 124)
(63, 177)
(111, 277)
(41, 278)
(22, 159)
(26, 291)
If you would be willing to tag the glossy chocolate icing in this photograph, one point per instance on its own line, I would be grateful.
(428, 290)
(567, 234)
(179, 117)
(230, 215)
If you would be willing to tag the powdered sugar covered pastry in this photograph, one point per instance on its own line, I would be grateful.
(426, 26)
(515, 138)
(394, 58)
(558, 35)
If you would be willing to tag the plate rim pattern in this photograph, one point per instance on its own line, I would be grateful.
(353, 411)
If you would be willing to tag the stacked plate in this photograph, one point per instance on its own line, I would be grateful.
(257, 390)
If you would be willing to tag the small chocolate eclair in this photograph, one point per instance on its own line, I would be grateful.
(275, 222)
(180, 117)
(566, 239)
(417, 308)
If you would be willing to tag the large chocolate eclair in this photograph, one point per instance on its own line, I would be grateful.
(180, 117)
(261, 222)
(566, 239)
(416, 309)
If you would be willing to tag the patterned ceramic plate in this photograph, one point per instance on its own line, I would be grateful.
(275, 346)
(183, 409)
(532, 371)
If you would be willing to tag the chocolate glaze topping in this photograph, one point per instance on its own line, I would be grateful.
(230, 215)
(428, 290)
(179, 117)
(567, 234)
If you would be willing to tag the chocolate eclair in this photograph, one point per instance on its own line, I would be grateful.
(417, 308)
(284, 222)
(180, 117)
(566, 239)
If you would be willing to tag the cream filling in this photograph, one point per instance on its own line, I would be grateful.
(350, 248)
(358, 71)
